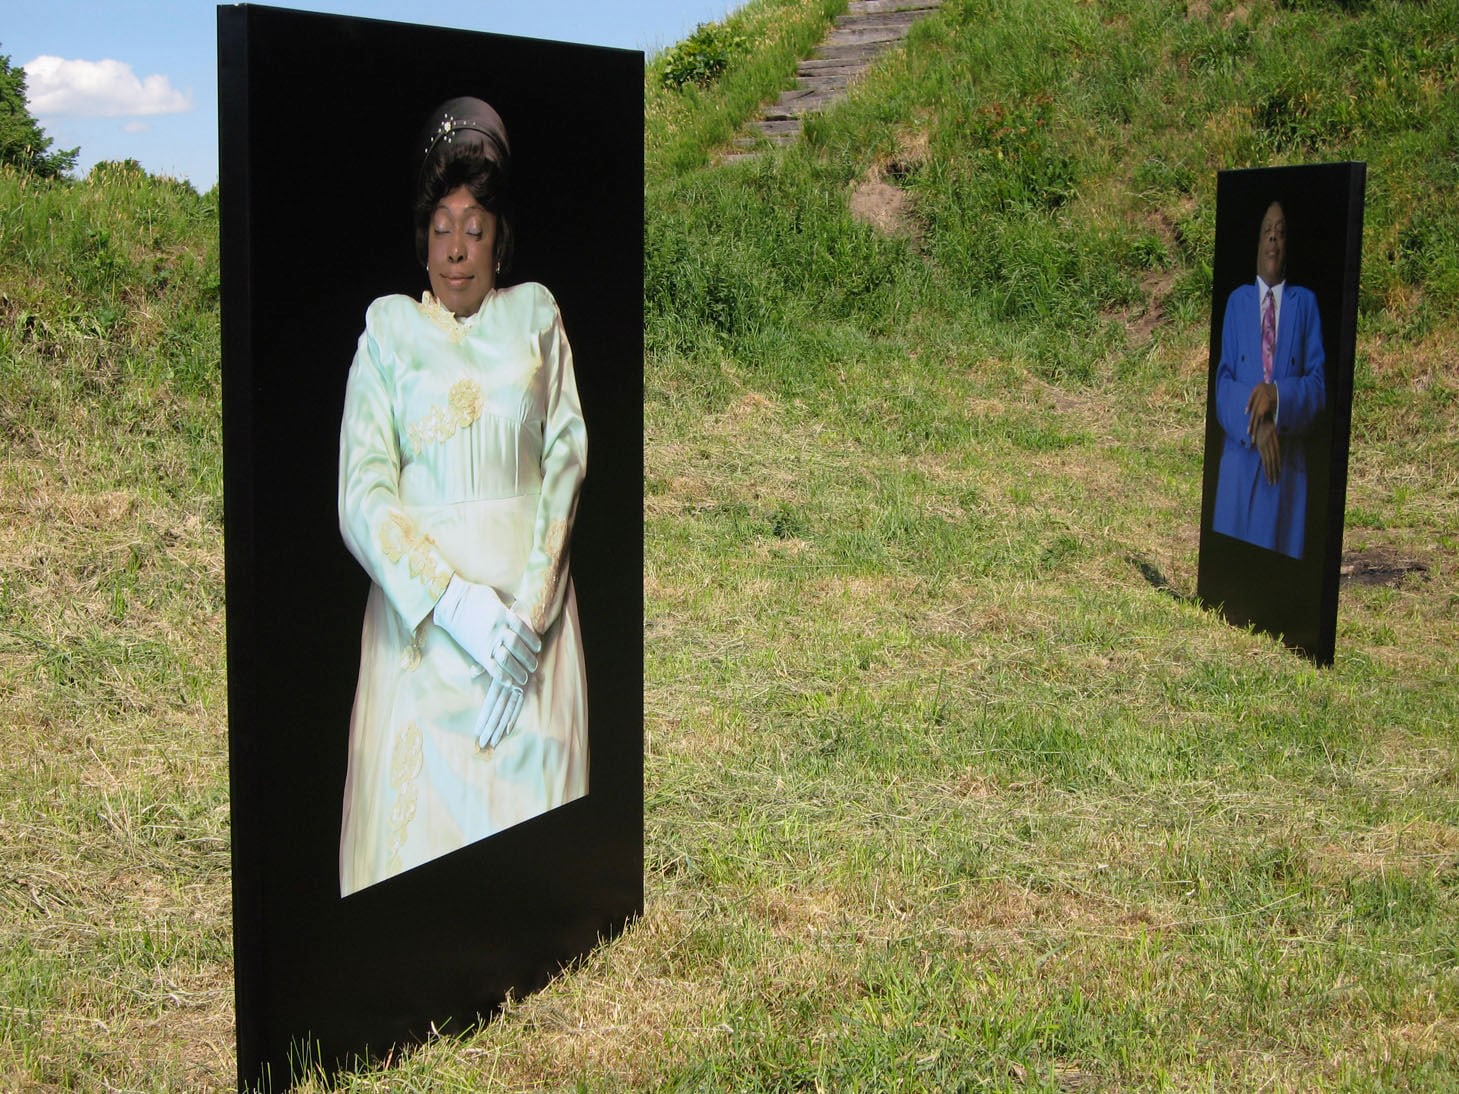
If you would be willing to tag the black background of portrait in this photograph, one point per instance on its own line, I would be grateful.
(318, 119)
(1294, 599)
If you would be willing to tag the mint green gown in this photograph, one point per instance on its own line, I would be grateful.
(462, 450)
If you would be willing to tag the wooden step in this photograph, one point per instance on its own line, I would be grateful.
(854, 37)
(836, 82)
(815, 66)
(894, 19)
(878, 7)
(862, 54)
(779, 127)
(796, 104)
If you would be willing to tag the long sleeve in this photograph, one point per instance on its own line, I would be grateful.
(540, 593)
(1300, 375)
(1232, 389)
(398, 556)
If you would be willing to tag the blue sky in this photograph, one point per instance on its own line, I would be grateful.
(138, 78)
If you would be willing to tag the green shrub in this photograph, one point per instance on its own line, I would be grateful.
(704, 56)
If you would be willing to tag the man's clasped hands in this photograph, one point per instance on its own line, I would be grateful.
(1261, 427)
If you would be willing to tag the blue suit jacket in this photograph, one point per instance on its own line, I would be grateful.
(1247, 506)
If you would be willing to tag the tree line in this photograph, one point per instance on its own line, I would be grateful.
(23, 144)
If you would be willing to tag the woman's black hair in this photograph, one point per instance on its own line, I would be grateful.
(488, 177)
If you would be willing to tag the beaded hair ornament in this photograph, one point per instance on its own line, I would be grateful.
(461, 122)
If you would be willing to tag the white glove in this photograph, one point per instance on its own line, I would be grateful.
(495, 637)
(499, 715)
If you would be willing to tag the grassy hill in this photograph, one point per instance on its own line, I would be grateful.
(950, 784)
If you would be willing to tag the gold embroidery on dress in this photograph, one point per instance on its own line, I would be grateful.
(400, 538)
(554, 544)
(396, 535)
(442, 316)
(405, 765)
(410, 655)
(465, 398)
(423, 567)
(463, 406)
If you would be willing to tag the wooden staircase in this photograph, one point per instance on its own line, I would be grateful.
(867, 30)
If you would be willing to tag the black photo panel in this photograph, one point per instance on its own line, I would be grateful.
(434, 535)
(1279, 398)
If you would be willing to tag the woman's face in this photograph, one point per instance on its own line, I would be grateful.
(461, 255)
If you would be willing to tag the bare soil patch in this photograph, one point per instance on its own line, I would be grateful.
(1379, 566)
(883, 206)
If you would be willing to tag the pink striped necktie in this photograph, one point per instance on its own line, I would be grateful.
(1268, 336)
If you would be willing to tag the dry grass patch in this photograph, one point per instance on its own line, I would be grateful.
(614, 1015)
(1433, 848)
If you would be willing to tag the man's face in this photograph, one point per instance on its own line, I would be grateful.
(1271, 245)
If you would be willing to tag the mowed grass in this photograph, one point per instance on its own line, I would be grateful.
(950, 785)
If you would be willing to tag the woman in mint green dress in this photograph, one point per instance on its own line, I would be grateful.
(462, 451)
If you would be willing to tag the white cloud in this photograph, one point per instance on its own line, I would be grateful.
(98, 89)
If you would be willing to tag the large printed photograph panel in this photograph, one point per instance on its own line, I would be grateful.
(1279, 397)
(401, 616)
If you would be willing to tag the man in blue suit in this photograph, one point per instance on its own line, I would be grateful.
(1270, 389)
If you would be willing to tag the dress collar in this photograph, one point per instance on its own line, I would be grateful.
(444, 318)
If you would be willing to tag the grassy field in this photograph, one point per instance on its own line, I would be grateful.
(950, 784)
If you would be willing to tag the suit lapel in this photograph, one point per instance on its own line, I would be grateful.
(1285, 327)
(1251, 305)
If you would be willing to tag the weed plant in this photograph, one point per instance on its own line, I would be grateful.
(950, 784)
